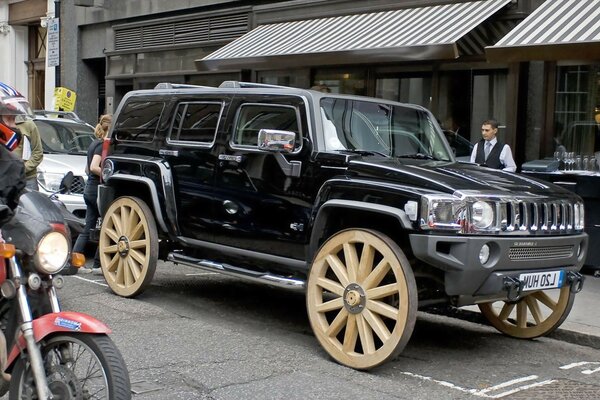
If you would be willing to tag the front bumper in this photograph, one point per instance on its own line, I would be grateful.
(464, 274)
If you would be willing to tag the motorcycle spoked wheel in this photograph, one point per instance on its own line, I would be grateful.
(78, 366)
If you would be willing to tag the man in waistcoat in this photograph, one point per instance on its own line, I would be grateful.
(490, 152)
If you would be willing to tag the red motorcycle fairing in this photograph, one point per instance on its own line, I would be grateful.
(64, 321)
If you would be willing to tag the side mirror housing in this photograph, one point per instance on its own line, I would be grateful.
(276, 141)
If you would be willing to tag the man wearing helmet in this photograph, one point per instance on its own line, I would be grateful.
(23, 137)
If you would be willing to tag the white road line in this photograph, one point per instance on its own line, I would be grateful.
(484, 393)
(578, 364)
(508, 383)
(98, 282)
(590, 371)
(521, 388)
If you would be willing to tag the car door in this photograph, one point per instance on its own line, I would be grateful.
(190, 152)
(258, 206)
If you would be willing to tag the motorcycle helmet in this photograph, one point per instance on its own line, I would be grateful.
(12, 102)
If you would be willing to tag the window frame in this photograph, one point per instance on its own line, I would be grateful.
(192, 143)
(238, 113)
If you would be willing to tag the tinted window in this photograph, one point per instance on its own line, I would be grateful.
(138, 121)
(65, 137)
(254, 117)
(196, 122)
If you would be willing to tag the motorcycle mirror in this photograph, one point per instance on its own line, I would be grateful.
(67, 181)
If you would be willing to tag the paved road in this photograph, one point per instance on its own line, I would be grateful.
(195, 335)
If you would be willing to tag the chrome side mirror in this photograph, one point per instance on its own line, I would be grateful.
(276, 141)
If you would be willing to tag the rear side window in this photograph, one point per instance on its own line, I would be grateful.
(138, 121)
(254, 117)
(196, 122)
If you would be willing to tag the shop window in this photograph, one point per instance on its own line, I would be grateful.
(341, 81)
(299, 78)
(577, 110)
(414, 90)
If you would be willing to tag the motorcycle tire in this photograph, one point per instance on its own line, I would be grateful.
(97, 369)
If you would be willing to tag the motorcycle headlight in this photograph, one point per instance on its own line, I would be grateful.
(50, 181)
(482, 214)
(52, 253)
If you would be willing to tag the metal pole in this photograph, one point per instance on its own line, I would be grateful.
(57, 68)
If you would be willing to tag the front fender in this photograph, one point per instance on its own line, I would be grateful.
(64, 321)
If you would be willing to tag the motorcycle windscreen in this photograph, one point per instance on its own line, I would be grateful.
(33, 219)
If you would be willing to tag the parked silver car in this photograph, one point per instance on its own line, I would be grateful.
(65, 139)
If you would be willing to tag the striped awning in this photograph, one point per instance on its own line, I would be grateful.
(557, 30)
(422, 33)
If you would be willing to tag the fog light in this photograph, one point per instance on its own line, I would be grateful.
(484, 254)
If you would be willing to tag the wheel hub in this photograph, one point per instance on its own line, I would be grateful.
(123, 246)
(354, 298)
(63, 383)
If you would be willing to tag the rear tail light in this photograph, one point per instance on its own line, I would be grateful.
(105, 149)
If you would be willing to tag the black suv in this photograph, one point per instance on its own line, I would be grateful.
(357, 201)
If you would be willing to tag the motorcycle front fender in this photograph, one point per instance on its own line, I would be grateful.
(64, 321)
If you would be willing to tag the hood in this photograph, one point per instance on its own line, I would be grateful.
(62, 163)
(452, 177)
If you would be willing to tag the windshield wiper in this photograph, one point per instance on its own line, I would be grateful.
(365, 152)
(418, 156)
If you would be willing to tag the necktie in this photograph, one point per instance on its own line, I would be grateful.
(488, 147)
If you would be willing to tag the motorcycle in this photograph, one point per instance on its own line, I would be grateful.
(47, 353)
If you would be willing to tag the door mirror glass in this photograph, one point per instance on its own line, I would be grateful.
(276, 140)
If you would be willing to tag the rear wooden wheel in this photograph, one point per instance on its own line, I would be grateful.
(361, 298)
(128, 246)
(535, 314)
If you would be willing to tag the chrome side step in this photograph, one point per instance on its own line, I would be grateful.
(261, 277)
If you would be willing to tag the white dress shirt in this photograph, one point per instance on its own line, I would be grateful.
(506, 157)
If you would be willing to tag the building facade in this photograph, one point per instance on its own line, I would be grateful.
(456, 58)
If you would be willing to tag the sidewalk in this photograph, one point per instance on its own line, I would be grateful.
(582, 326)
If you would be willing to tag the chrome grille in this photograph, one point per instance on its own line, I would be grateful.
(78, 185)
(540, 253)
(549, 217)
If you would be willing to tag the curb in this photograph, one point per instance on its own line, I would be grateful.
(564, 335)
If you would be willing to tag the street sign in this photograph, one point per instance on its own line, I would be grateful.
(53, 30)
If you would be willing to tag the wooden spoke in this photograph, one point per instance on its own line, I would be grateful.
(526, 319)
(333, 287)
(373, 316)
(338, 268)
(331, 305)
(351, 261)
(383, 291)
(382, 309)
(128, 246)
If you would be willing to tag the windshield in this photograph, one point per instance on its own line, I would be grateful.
(65, 137)
(393, 130)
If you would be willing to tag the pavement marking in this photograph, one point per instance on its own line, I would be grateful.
(484, 392)
(508, 383)
(581, 364)
(97, 282)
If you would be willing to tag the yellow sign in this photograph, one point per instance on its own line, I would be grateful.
(64, 99)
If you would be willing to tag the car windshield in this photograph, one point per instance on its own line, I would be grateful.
(65, 137)
(392, 130)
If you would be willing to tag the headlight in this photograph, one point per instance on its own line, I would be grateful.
(446, 213)
(52, 253)
(482, 214)
(50, 181)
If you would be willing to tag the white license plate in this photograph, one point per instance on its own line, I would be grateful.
(542, 280)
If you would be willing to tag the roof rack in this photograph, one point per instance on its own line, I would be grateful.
(57, 114)
(237, 85)
(167, 85)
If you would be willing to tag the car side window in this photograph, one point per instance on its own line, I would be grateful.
(252, 118)
(138, 121)
(196, 122)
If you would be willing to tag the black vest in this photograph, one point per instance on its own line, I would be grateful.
(493, 160)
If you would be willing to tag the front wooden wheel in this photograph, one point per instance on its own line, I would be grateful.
(361, 298)
(534, 315)
(128, 246)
